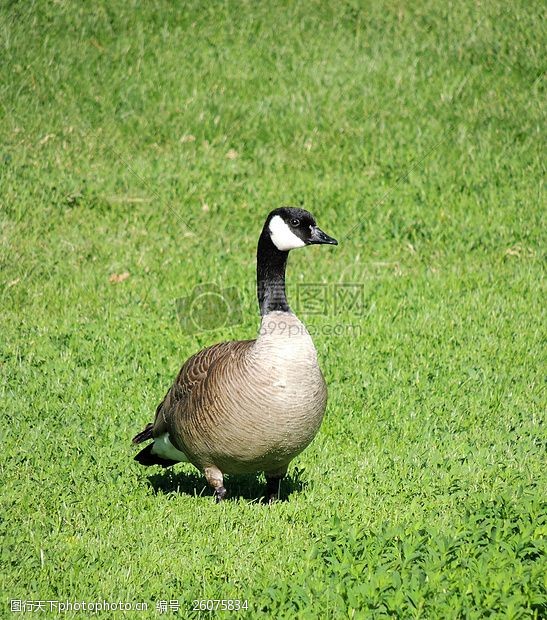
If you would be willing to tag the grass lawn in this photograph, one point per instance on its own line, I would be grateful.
(144, 143)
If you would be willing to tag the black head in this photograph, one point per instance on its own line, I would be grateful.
(290, 228)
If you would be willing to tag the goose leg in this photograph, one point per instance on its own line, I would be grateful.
(273, 485)
(216, 480)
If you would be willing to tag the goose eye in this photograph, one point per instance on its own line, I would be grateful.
(295, 222)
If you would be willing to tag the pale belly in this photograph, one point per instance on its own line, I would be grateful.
(264, 420)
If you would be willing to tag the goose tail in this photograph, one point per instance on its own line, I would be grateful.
(147, 457)
(144, 434)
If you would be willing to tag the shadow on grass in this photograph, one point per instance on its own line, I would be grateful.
(249, 486)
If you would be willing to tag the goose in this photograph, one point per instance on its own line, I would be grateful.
(251, 405)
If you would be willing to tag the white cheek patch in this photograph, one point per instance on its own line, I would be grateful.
(166, 450)
(282, 236)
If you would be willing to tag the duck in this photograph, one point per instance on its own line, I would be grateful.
(248, 406)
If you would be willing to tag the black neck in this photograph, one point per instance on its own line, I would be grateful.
(270, 276)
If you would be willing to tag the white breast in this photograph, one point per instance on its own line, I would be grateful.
(285, 351)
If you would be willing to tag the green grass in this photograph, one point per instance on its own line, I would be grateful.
(415, 133)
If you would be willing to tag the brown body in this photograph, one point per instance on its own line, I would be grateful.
(247, 406)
